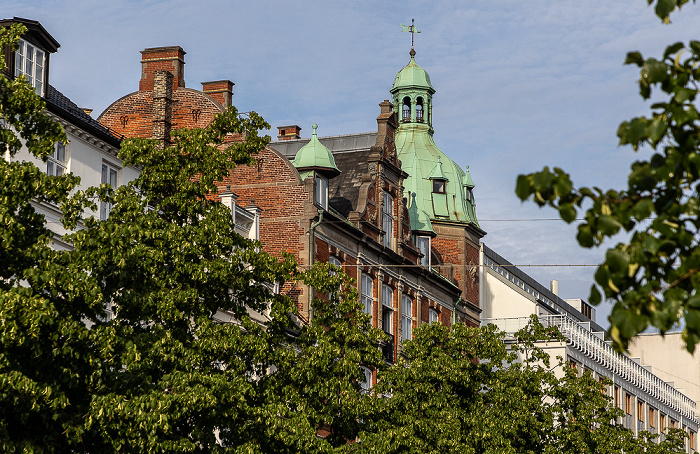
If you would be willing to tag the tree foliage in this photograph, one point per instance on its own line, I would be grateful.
(118, 345)
(471, 390)
(653, 277)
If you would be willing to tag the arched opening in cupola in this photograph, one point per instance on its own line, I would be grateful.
(406, 110)
(419, 110)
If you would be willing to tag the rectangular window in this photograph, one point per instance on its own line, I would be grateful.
(616, 395)
(30, 61)
(109, 176)
(691, 440)
(334, 261)
(387, 309)
(366, 385)
(367, 290)
(662, 422)
(640, 410)
(433, 316)
(423, 244)
(56, 165)
(652, 417)
(406, 318)
(321, 196)
(628, 404)
(388, 219)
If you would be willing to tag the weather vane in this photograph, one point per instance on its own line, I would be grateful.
(411, 29)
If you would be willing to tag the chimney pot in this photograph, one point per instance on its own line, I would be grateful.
(170, 59)
(289, 132)
(220, 90)
(554, 287)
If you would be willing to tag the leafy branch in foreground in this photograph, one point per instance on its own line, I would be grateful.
(654, 277)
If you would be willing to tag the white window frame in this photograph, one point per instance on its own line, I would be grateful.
(367, 384)
(367, 294)
(30, 60)
(388, 219)
(110, 175)
(57, 164)
(321, 191)
(388, 303)
(423, 245)
(334, 261)
(406, 317)
(433, 315)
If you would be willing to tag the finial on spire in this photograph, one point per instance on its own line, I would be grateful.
(412, 30)
(314, 127)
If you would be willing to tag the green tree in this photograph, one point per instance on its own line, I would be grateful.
(654, 277)
(465, 390)
(46, 355)
(115, 346)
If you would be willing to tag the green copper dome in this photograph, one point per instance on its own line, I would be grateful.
(315, 156)
(424, 161)
(437, 188)
(412, 76)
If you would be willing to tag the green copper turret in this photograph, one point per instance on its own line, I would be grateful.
(436, 184)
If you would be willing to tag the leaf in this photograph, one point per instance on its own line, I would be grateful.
(653, 71)
(673, 48)
(522, 187)
(664, 8)
(608, 225)
(634, 58)
(567, 213)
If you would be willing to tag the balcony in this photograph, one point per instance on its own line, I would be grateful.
(595, 348)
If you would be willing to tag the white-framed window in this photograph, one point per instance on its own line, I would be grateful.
(387, 309)
(334, 261)
(367, 291)
(388, 219)
(57, 163)
(31, 61)
(433, 315)
(367, 384)
(321, 195)
(406, 318)
(423, 244)
(109, 176)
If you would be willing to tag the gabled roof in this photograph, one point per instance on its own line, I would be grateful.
(35, 32)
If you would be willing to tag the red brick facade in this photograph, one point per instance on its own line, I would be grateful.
(290, 221)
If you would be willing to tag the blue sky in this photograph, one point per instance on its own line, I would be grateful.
(520, 85)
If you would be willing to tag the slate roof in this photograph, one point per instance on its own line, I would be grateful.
(351, 152)
(62, 106)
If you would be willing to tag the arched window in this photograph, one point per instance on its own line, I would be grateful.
(406, 112)
(419, 110)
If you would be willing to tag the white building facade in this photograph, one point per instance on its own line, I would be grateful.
(509, 297)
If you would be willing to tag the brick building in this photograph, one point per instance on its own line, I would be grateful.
(346, 200)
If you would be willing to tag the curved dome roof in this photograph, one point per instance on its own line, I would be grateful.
(412, 75)
(315, 156)
(424, 162)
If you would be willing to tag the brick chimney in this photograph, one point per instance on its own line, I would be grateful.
(386, 122)
(171, 59)
(220, 90)
(162, 106)
(288, 132)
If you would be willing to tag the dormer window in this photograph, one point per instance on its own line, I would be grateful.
(423, 245)
(31, 61)
(321, 194)
(439, 186)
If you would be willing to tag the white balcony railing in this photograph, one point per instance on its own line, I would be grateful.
(599, 351)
